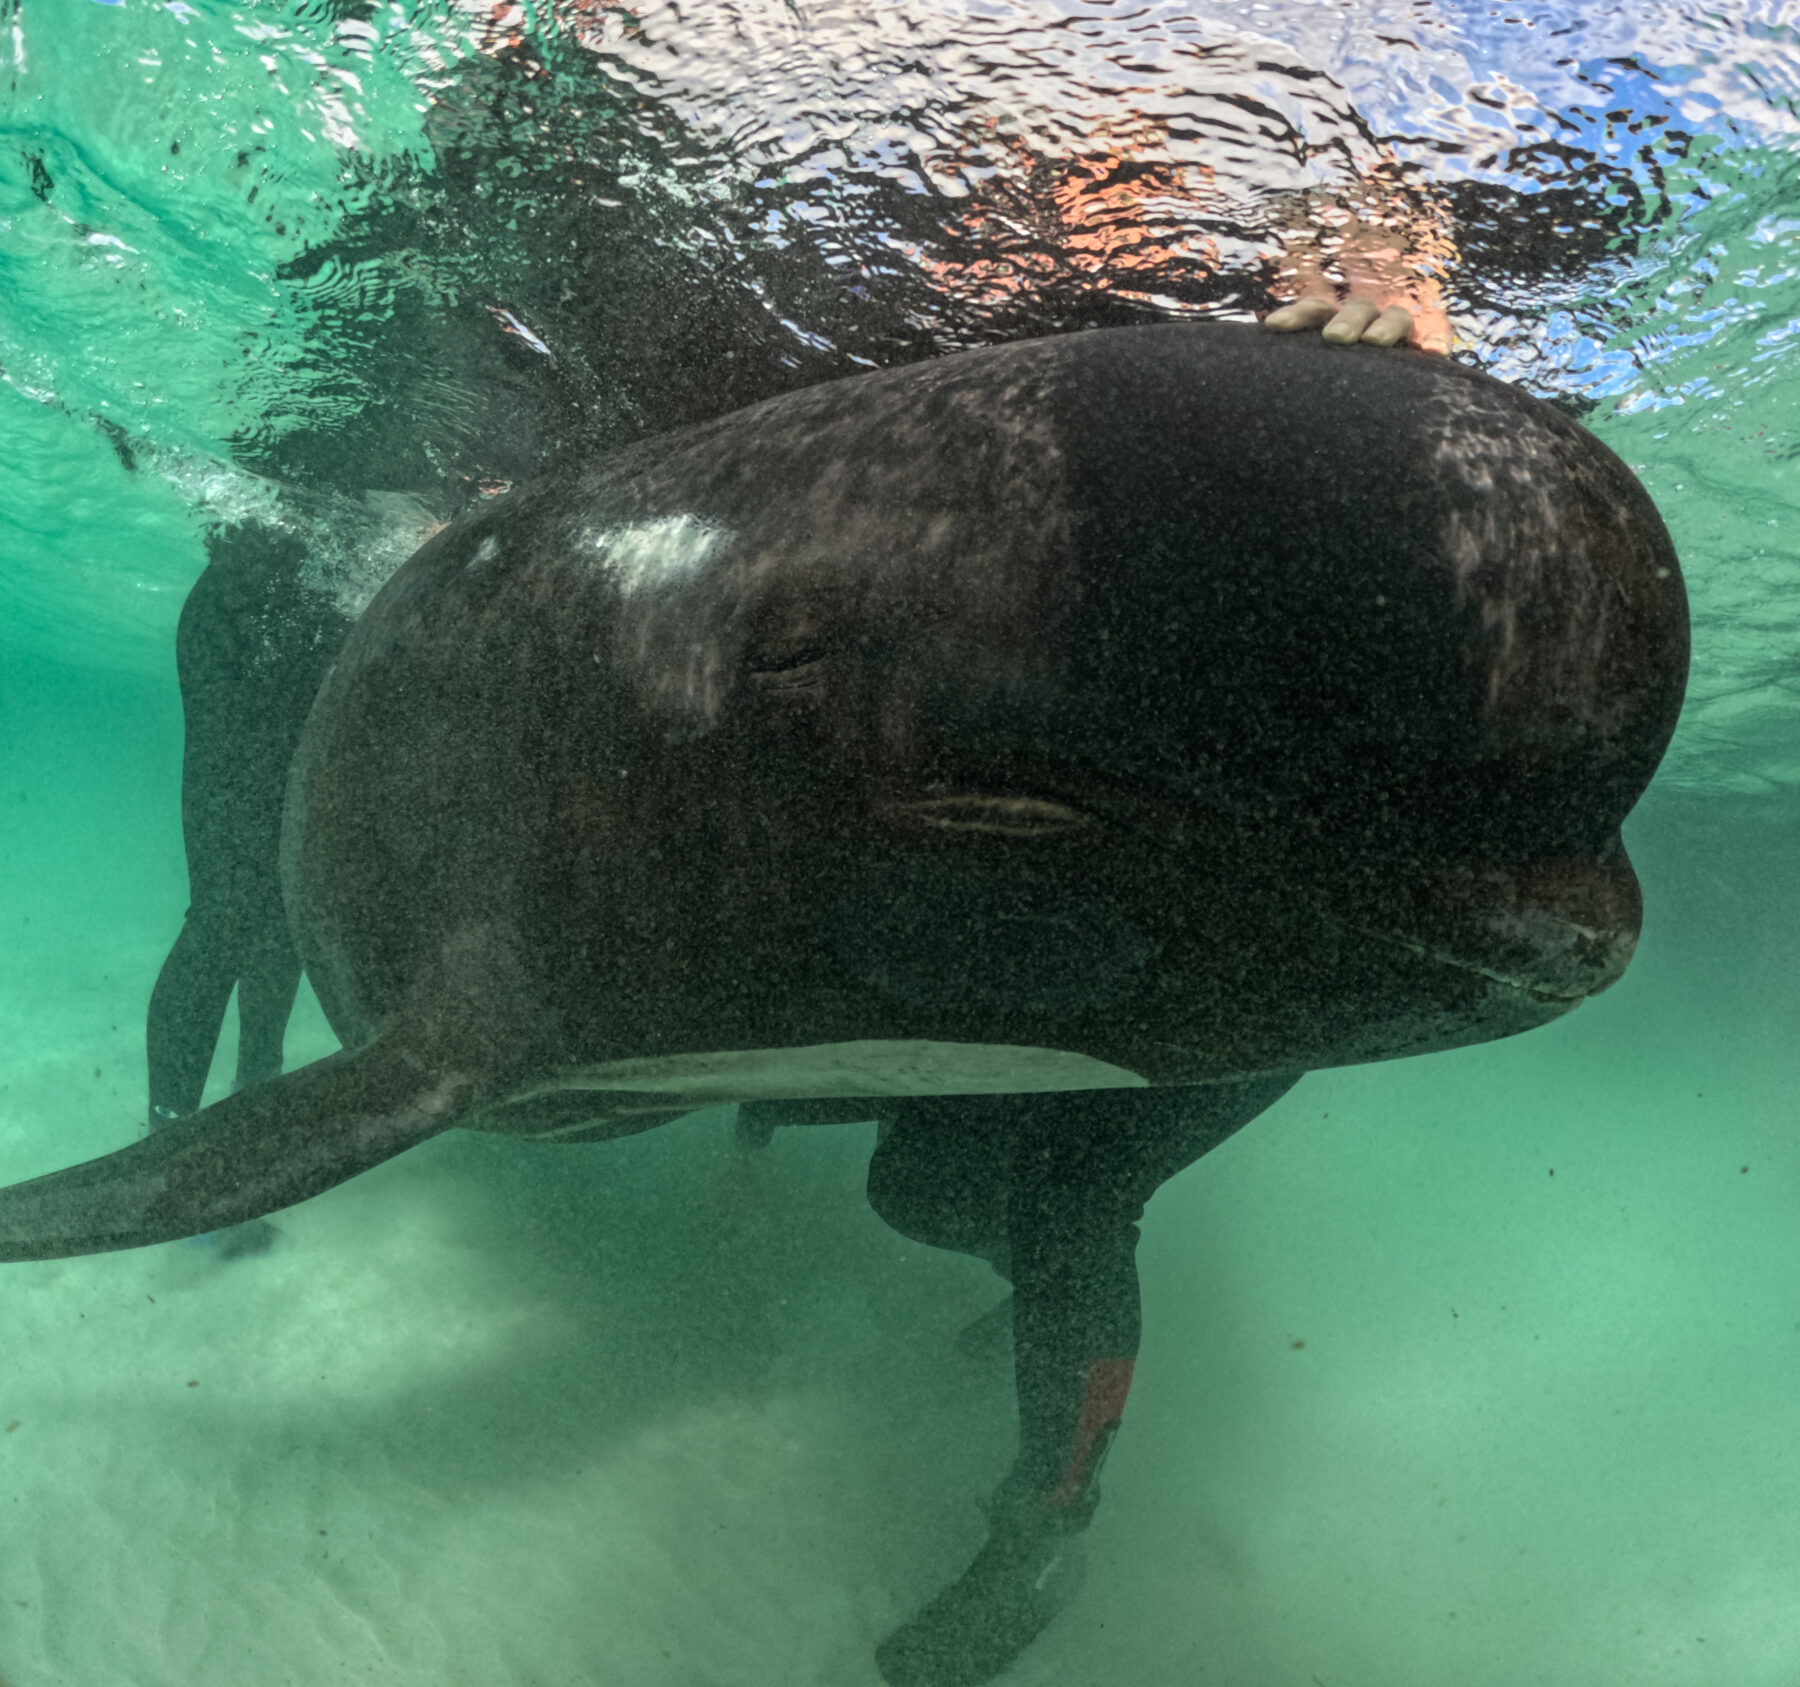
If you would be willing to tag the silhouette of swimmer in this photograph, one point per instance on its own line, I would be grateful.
(1048, 1189)
(252, 648)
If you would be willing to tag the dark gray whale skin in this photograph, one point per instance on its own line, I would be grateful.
(1161, 705)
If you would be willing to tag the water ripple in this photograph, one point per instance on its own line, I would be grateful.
(423, 243)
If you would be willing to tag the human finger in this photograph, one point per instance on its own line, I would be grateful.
(1310, 312)
(1431, 332)
(1346, 327)
(1391, 328)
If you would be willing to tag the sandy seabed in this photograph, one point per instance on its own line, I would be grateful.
(1479, 1369)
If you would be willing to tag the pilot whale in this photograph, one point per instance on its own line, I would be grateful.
(1164, 709)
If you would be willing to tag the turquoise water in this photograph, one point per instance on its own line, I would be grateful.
(610, 1415)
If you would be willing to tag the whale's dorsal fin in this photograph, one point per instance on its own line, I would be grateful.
(262, 1150)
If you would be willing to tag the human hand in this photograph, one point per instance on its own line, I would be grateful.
(1349, 322)
(1365, 266)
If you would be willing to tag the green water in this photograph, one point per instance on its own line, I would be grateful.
(1482, 1368)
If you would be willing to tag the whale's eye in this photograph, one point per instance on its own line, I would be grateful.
(787, 661)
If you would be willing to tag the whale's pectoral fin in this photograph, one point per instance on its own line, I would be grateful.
(261, 1150)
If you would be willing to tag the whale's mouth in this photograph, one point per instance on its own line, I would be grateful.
(1558, 931)
(1003, 815)
(1540, 989)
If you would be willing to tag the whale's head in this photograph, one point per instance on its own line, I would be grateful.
(1218, 701)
